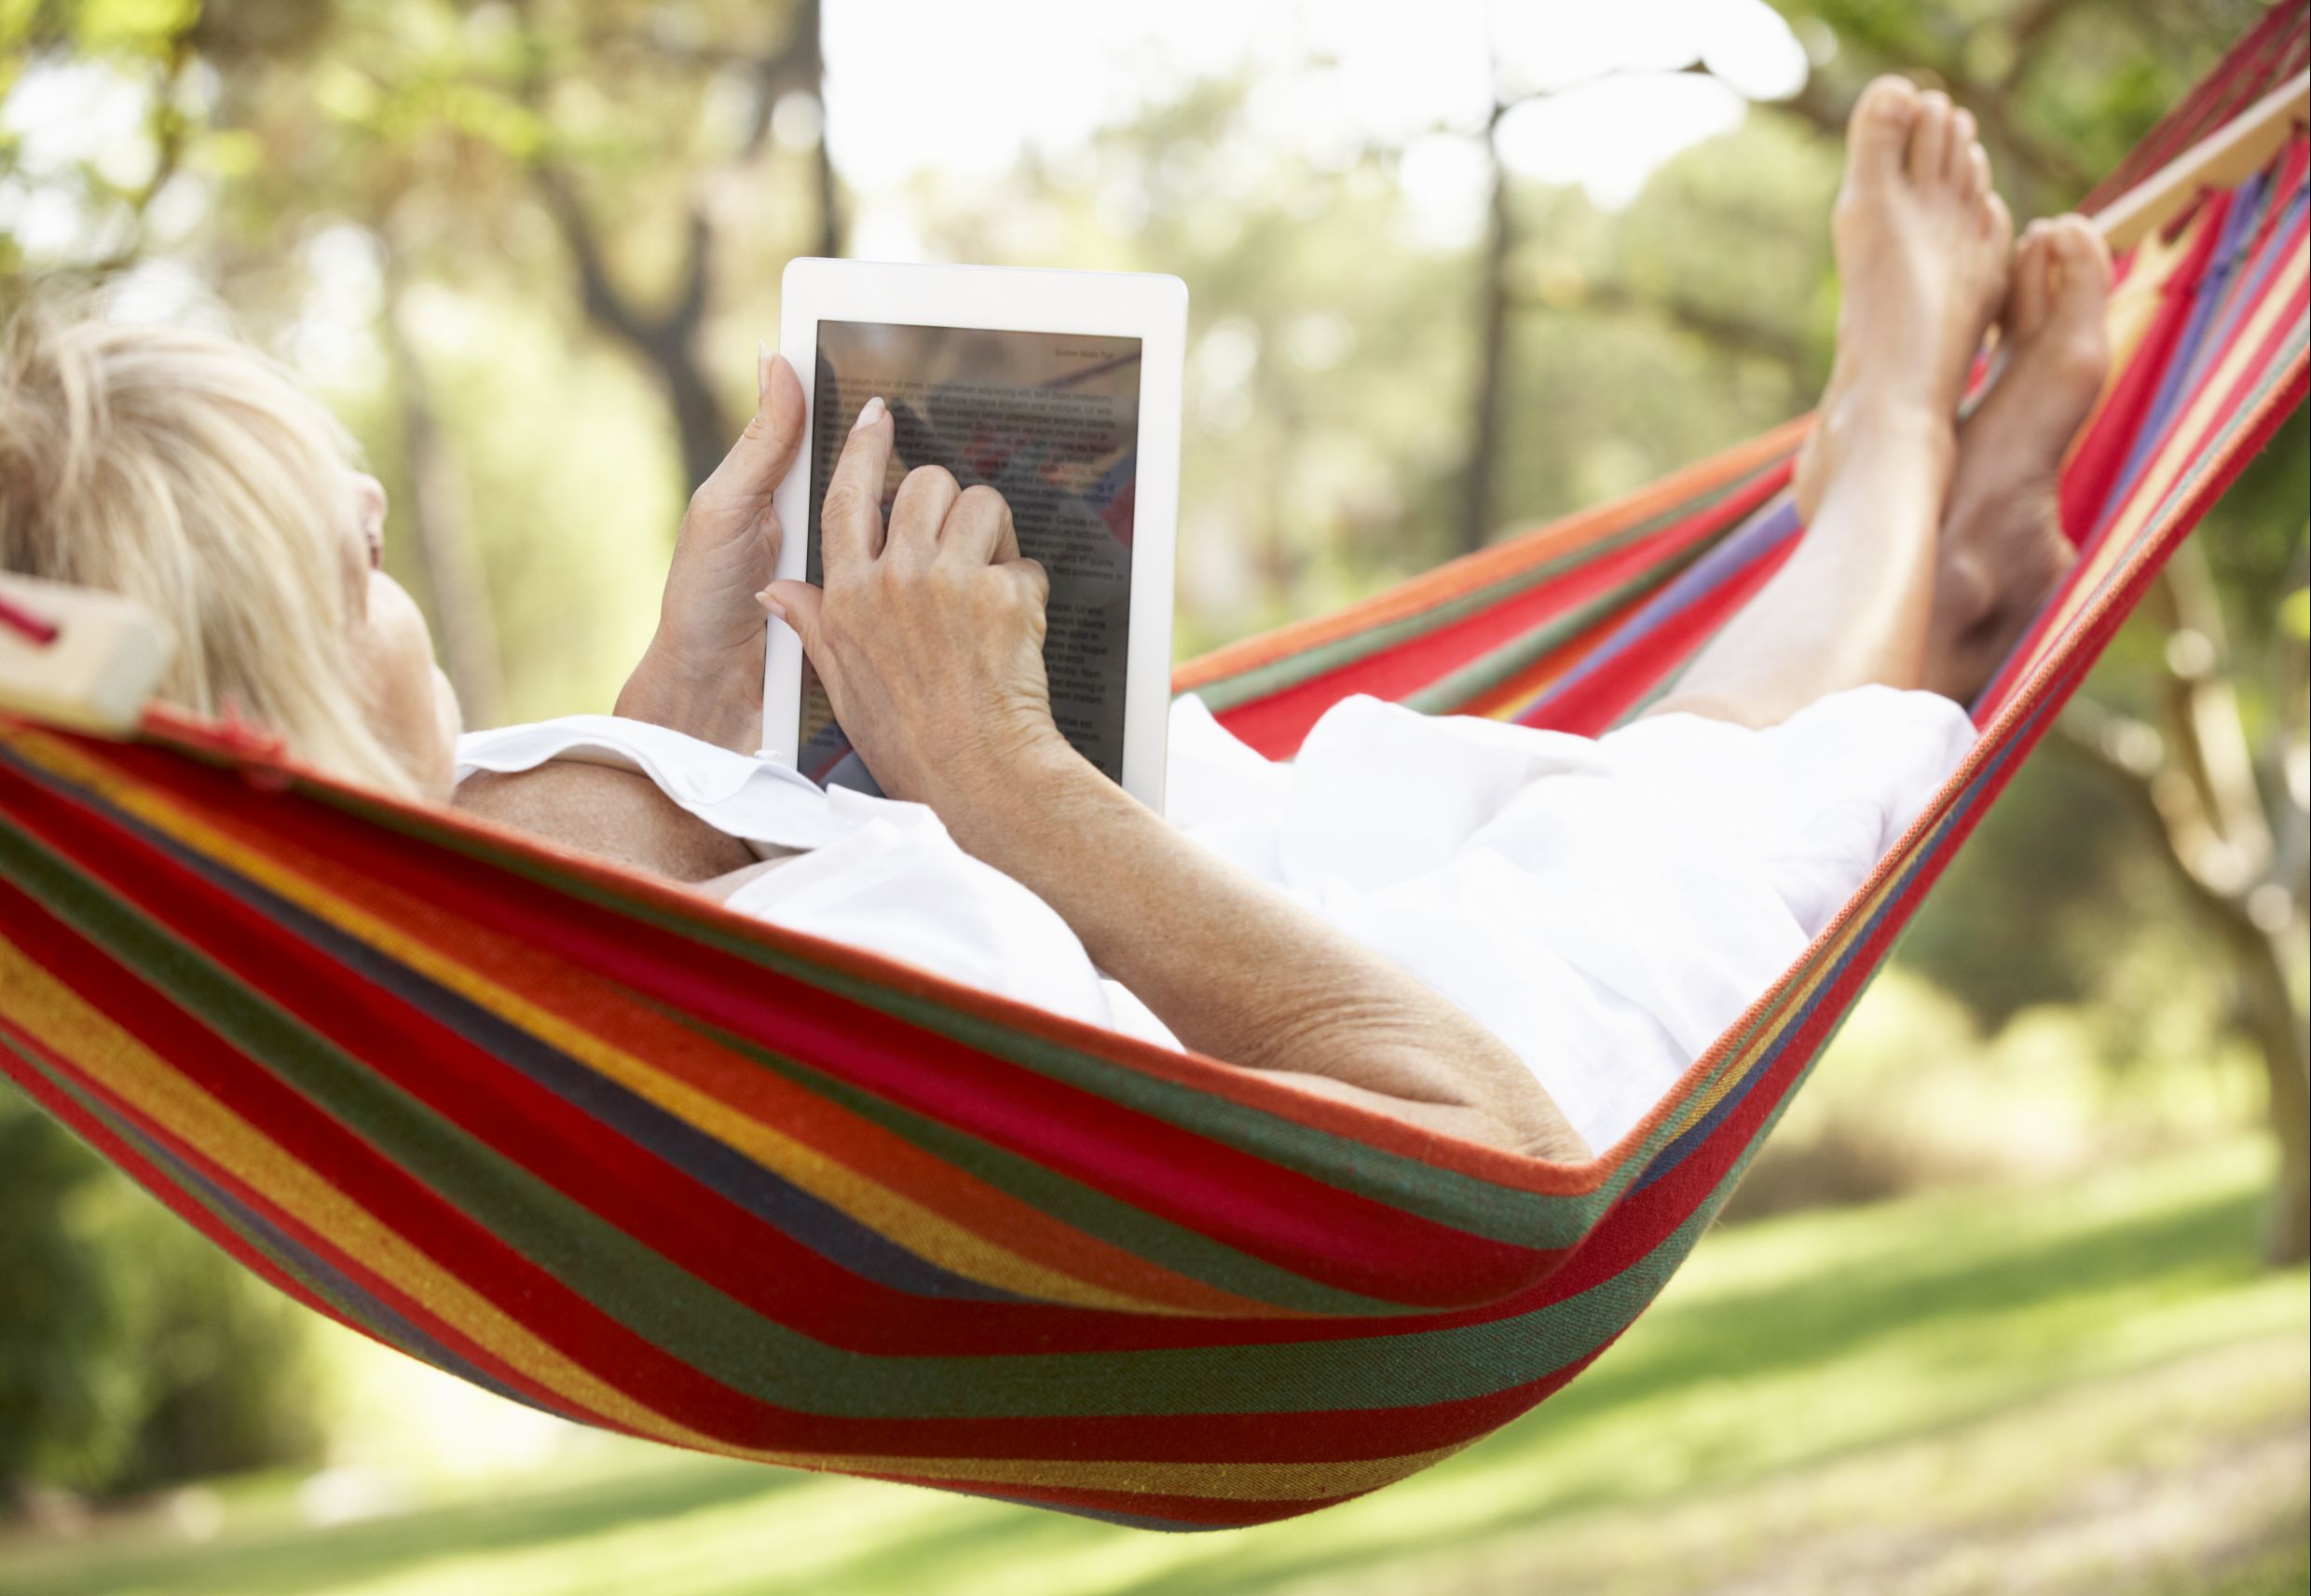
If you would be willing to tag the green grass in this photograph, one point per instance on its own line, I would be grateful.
(2090, 1386)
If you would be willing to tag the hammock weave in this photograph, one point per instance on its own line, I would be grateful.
(606, 1149)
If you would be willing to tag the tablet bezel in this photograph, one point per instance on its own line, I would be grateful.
(1148, 307)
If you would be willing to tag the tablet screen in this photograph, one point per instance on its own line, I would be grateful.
(1051, 421)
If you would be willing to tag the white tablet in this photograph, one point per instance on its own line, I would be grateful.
(1061, 389)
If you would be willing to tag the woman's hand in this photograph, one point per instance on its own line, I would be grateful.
(703, 672)
(928, 636)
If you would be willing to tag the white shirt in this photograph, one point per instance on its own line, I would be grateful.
(1606, 907)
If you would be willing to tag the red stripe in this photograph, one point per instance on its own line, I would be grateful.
(2286, 325)
(603, 1346)
(163, 1186)
(38, 630)
(691, 1225)
(2102, 454)
(1589, 706)
(453, 1242)
(738, 1420)
(131, 1161)
(125, 985)
(1277, 724)
(1239, 1198)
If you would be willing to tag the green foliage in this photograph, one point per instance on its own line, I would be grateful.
(67, 1397)
(132, 1353)
(2295, 614)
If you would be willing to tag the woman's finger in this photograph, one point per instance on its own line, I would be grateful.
(978, 529)
(765, 451)
(917, 513)
(797, 605)
(850, 526)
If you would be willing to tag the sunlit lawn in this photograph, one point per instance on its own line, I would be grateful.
(2088, 1387)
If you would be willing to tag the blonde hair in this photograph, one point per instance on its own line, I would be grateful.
(189, 473)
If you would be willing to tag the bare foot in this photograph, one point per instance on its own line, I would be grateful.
(1922, 244)
(2003, 546)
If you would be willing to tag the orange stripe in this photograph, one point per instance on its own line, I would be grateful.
(1487, 565)
(1039, 1256)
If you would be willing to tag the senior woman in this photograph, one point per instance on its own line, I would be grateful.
(1509, 936)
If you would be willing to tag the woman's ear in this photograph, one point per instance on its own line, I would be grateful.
(369, 506)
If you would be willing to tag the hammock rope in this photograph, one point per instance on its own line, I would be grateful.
(586, 1141)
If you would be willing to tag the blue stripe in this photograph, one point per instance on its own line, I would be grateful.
(1757, 536)
(2170, 387)
(806, 1219)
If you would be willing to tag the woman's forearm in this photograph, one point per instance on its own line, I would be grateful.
(929, 637)
(1239, 972)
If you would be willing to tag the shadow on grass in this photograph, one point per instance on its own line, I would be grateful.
(2195, 1247)
(1946, 1284)
(295, 1562)
(1982, 1271)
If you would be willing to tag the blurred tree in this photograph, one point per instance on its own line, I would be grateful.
(2232, 826)
(132, 1353)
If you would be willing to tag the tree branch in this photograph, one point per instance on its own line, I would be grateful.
(1716, 327)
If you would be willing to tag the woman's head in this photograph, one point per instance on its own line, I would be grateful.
(189, 473)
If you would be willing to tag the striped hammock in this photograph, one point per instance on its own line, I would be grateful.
(606, 1149)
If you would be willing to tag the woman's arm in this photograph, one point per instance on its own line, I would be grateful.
(930, 641)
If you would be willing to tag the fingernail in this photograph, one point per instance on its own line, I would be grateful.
(871, 413)
(767, 601)
(761, 372)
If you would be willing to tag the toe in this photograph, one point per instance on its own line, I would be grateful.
(1997, 224)
(1877, 132)
(2028, 292)
(1929, 137)
(1959, 157)
(2085, 260)
(1977, 171)
(2079, 290)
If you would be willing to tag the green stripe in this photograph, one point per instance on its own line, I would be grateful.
(1442, 1196)
(222, 1217)
(1260, 681)
(688, 1320)
(1447, 693)
(1087, 1208)
(727, 1341)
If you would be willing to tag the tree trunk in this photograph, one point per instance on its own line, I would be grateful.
(2196, 786)
(830, 192)
(439, 517)
(1492, 355)
(706, 434)
(2261, 960)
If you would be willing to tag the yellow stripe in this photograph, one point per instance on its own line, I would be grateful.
(66, 1025)
(1213, 1482)
(890, 1214)
(129, 1070)
(2126, 543)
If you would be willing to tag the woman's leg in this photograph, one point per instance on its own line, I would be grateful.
(2003, 546)
(1921, 245)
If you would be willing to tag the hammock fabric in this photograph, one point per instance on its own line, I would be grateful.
(604, 1149)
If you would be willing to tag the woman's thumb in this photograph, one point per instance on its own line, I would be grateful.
(797, 605)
